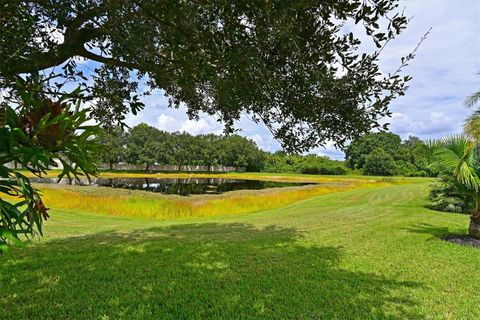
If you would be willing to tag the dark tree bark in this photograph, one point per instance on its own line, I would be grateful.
(474, 228)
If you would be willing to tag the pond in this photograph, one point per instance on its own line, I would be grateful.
(182, 187)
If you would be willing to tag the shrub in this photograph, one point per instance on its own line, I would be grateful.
(309, 164)
(379, 163)
(449, 196)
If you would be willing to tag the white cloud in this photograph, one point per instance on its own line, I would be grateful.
(167, 123)
(202, 126)
(435, 124)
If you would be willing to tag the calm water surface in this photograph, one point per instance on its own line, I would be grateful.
(182, 187)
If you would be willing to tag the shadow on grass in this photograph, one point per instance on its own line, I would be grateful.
(434, 231)
(227, 271)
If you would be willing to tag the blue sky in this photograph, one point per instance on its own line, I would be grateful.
(444, 73)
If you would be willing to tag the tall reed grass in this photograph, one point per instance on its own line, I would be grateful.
(153, 206)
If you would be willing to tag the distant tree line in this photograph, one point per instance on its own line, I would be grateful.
(385, 154)
(147, 145)
(308, 164)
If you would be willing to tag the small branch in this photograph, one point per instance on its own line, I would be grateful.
(106, 60)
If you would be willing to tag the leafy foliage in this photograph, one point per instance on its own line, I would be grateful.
(412, 157)
(144, 144)
(113, 143)
(458, 160)
(288, 64)
(379, 163)
(36, 131)
(359, 149)
(450, 196)
(309, 164)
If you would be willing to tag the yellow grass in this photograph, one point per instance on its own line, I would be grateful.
(153, 206)
(127, 203)
(287, 177)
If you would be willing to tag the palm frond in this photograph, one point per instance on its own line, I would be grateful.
(457, 155)
(472, 99)
(471, 126)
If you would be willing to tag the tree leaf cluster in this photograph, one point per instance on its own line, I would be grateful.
(384, 153)
(35, 132)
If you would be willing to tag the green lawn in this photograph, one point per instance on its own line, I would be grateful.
(364, 254)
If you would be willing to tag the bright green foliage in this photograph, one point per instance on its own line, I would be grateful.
(364, 254)
(242, 152)
(309, 164)
(144, 144)
(412, 157)
(450, 196)
(35, 132)
(379, 163)
(148, 145)
(359, 149)
(458, 158)
(114, 146)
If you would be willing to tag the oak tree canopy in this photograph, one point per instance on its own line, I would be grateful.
(292, 65)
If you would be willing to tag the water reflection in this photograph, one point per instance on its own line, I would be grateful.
(183, 187)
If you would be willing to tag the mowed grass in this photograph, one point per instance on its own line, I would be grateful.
(144, 204)
(368, 253)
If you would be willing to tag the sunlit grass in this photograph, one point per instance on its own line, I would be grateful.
(368, 253)
(142, 204)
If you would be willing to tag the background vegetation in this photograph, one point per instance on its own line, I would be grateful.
(380, 154)
(384, 153)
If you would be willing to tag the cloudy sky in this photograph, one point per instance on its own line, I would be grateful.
(444, 73)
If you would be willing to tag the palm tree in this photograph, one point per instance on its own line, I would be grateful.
(472, 124)
(473, 99)
(459, 156)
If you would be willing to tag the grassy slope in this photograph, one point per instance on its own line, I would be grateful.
(362, 254)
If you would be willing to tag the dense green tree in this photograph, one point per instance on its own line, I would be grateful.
(185, 149)
(379, 163)
(114, 146)
(144, 145)
(242, 152)
(308, 164)
(423, 156)
(358, 150)
(412, 157)
(212, 152)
